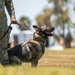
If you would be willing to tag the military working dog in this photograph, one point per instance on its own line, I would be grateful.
(32, 50)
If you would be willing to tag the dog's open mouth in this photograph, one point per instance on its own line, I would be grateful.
(50, 32)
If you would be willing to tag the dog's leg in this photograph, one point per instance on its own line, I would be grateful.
(34, 63)
(15, 60)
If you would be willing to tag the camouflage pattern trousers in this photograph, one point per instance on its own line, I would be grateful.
(4, 41)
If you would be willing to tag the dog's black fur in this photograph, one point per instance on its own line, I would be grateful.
(32, 50)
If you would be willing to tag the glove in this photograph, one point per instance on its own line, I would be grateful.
(13, 21)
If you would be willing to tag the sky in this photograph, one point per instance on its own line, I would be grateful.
(29, 8)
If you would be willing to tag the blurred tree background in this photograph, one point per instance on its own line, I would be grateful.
(57, 16)
(25, 21)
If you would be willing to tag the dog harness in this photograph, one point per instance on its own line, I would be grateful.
(32, 49)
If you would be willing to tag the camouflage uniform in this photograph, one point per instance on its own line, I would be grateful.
(3, 27)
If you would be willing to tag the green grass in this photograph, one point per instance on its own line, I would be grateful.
(67, 50)
(24, 70)
(52, 63)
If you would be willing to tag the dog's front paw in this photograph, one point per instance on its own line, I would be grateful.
(34, 63)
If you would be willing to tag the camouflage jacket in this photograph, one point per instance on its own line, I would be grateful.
(9, 6)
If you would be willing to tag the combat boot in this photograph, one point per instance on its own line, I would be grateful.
(5, 63)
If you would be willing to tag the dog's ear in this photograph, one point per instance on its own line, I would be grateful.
(36, 27)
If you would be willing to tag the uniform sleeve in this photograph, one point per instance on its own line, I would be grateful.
(10, 8)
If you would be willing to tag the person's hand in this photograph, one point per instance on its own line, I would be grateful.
(13, 21)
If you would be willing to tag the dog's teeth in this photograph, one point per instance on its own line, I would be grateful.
(51, 32)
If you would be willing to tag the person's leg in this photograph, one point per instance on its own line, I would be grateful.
(3, 51)
(3, 43)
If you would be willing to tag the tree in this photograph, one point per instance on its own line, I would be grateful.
(61, 12)
(57, 17)
(25, 22)
(44, 19)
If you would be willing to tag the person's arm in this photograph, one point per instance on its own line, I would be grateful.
(10, 9)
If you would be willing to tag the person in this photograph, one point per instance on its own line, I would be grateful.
(4, 60)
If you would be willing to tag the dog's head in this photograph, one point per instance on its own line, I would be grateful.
(44, 31)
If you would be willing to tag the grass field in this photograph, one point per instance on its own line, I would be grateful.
(52, 63)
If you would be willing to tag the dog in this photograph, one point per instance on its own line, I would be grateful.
(32, 50)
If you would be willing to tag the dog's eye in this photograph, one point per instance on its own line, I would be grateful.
(43, 35)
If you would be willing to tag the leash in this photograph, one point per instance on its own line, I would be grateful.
(10, 28)
(22, 26)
